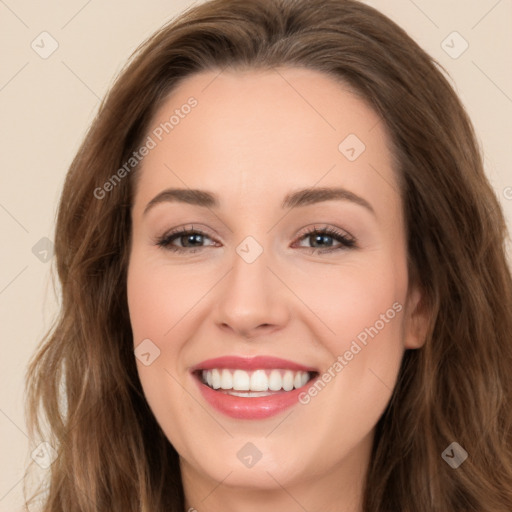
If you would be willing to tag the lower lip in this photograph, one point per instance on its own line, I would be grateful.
(246, 408)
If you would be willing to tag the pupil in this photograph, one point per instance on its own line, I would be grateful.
(190, 238)
(319, 238)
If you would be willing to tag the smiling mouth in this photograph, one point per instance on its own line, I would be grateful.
(256, 383)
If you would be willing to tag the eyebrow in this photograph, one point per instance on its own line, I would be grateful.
(298, 198)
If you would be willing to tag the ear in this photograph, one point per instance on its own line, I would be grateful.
(417, 317)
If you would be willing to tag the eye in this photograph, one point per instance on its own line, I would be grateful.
(185, 236)
(191, 240)
(323, 235)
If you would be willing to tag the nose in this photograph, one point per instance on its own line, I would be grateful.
(252, 299)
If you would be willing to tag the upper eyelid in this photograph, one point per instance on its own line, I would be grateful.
(304, 231)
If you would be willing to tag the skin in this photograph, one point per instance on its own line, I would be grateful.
(253, 137)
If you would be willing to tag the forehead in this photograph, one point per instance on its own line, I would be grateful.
(262, 132)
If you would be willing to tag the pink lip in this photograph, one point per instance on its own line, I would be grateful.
(251, 363)
(250, 408)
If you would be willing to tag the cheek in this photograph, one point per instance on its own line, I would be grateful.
(158, 300)
(365, 310)
(368, 318)
(155, 304)
(360, 302)
(148, 302)
(363, 307)
(159, 297)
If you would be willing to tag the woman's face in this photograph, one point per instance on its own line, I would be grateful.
(301, 334)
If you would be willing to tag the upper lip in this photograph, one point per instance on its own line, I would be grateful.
(251, 363)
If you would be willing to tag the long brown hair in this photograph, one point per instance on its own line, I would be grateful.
(112, 454)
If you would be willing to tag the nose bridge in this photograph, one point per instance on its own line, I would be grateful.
(250, 296)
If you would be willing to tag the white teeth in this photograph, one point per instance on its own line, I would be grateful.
(215, 379)
(288, 381)
(241, 381)
(226, 379)
(249, 393)
(261, 382)
(275, 382)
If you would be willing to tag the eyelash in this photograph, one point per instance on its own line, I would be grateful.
(346, 242)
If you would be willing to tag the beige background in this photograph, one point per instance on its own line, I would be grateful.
(47, 104)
